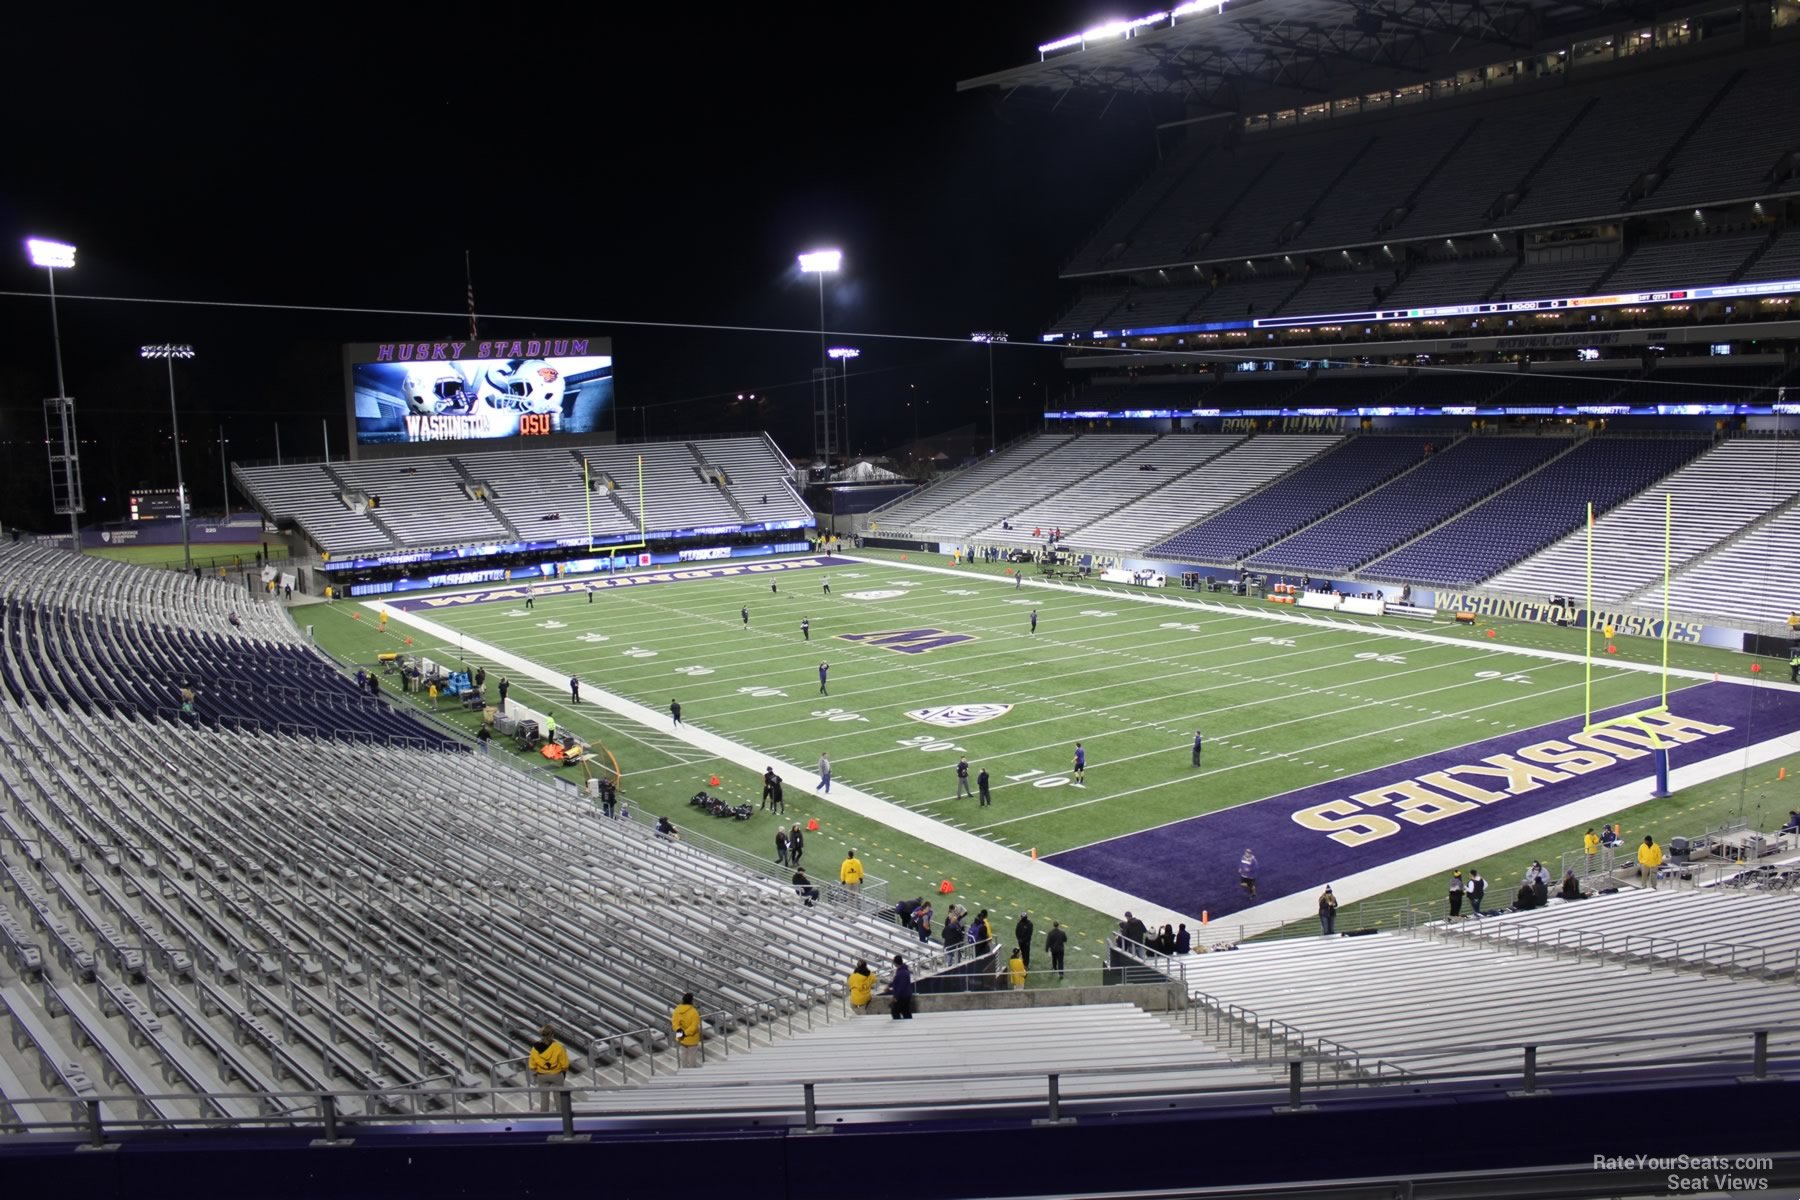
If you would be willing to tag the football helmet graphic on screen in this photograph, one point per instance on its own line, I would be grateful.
(522, 385)
(436, 389)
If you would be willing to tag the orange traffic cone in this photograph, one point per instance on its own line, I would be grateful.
(356, 616)
(409, 641)
(713, 782)
(946, 887)
(812, 826)
(1778, 779)
(1490, 633)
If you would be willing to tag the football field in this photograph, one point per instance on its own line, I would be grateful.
(927, 666)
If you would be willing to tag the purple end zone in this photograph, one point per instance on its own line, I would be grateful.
(550, 585)
(1191, 866)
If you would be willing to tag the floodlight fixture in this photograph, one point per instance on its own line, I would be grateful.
(57, 255)
(168, 352)
(821, 261)
(842, 352)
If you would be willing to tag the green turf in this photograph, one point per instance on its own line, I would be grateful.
(1282, 705)
(208, 556)
(912, 867)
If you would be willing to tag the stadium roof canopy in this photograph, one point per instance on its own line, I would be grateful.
(1217, 53)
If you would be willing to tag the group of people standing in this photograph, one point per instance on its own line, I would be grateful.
(1166, 941)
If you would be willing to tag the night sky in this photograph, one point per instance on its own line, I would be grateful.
(604, 167)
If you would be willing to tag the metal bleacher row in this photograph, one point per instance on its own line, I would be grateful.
(1751, 575)
(1096, 1047)
(1703, 929)
(1714, 497)
(1505, 509)
(1653, 964)
(190, 909)
(114, 642)
(1122, 503)
(528, 494)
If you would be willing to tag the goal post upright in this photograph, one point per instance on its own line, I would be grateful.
(643, 541)
(1636, 720)
(1587, 694)
(1668, 560)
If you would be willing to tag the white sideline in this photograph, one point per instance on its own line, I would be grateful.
(1025, 869)
(1480, 848)
(1078, 888)
(1297, 618)
(1464, 852)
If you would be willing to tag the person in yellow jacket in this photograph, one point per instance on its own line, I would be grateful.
(549, 1066)
(1590, 843)
(862, 988)
(685, 1020)
(851, 873)
(1650, 858)
(1015, 967)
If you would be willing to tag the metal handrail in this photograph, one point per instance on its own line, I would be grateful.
(1639, 947)
(381, 1106)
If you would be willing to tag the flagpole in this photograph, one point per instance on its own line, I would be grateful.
(469, 284)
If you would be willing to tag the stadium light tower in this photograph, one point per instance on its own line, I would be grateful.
(169, 353)
(844, 354)
(823, 263)
(50, 256)
(990, 336)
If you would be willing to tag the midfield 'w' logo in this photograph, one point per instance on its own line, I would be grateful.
(908, 641)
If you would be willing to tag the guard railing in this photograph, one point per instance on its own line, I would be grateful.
(1745, 1055)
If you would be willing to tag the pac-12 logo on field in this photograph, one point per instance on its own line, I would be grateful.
(955, 716)
(908, 641)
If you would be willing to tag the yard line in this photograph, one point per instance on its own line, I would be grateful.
(915, 669)
(1192, 717)
(1224, 739)
(1297, 618)
(1266, 658)
(1235, 766)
